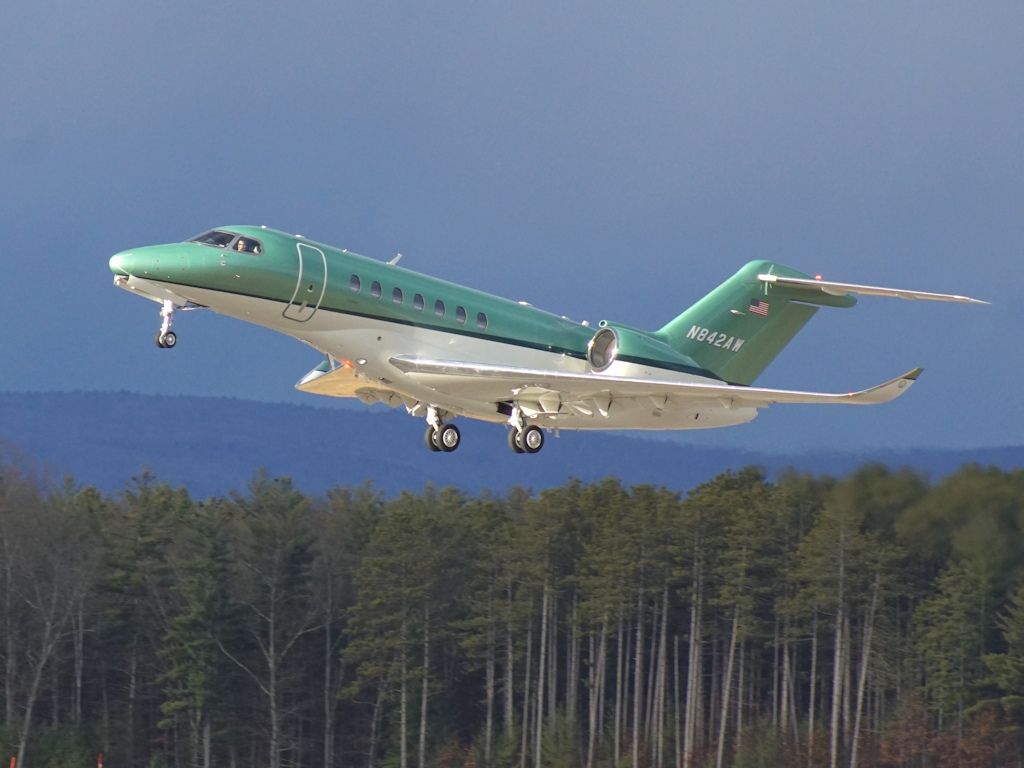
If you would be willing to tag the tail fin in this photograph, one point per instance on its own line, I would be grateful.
(739, 328)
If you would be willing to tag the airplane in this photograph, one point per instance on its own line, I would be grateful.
(441, 350)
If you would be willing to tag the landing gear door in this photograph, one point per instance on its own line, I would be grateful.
(311, 284)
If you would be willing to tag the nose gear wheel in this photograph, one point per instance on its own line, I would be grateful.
(165, 337)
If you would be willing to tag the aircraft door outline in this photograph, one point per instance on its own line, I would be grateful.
(310, 286)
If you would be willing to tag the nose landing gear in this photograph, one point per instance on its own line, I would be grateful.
(165, 337)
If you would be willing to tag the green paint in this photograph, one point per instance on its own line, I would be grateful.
(725, 333)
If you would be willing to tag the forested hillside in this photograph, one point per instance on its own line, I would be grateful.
(874, 620)
(212, 444)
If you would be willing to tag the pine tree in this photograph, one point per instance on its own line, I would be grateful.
(744, 504)
(197, 684)
(139, 532)
(273, 592)
(949, 626)
(409, 581)
(1006, 669)
(342, 527)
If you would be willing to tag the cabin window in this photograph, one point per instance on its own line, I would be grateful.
(375, 289)
(396, 296)
(460, 315)
(247, 245)
(214, 237)
(439, 308)
(481, 321)
(355, 284)
(417, 302)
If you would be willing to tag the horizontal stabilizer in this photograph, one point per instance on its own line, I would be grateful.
(841, 289)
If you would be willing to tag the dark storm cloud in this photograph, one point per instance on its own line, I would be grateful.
(600, 160)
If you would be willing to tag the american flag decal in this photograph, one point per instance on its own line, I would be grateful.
(759, 307)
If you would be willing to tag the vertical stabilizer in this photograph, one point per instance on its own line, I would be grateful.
(739, 328)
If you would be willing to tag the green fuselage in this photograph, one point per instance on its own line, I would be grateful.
(308, 280)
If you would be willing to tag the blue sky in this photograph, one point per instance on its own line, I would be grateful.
(602, 160)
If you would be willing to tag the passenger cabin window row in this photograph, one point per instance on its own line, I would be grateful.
(355, 284)
(230, 241)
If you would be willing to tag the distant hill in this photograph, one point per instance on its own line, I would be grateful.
(213, 445)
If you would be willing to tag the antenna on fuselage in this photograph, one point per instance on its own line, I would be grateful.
(395, 259)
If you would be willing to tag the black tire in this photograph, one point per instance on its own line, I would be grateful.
(532, 439)
(513, 441)
(159, 339)
(430, 438)
(448, 438)
(168, 340)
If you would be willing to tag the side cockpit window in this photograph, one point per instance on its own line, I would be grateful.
(247, 245)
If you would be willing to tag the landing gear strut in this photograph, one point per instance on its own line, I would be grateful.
(165, 337)
(440, 436)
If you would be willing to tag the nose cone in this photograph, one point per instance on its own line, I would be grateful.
(119, 263)
(156, 262)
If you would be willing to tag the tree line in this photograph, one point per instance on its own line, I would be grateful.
(871, 620)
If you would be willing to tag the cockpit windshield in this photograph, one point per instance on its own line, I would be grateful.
(221, 239)
(214, 237)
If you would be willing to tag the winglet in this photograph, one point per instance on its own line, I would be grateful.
(883, 393)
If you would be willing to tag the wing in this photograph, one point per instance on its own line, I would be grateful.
(498, 383)
(341, 381)
(841, 289)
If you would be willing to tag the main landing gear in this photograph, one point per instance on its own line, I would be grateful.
(440, 436)
(523, 438)
(165, 337)
(528, 440)
(445, 438)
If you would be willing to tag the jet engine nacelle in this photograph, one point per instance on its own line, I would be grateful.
(614, 342)
(603, 349)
